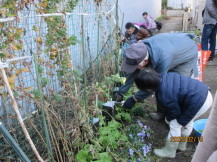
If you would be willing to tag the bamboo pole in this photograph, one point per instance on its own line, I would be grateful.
(38, 81)
(117, 40)
(15, 107)
(122, 22)
(98, 29)
(84, 61)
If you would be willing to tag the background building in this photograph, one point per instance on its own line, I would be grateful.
(133, 10)
(179, 4)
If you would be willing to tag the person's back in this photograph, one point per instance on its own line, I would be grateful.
(181, 94)
(166, 53)
(142, 34)
(210, 12)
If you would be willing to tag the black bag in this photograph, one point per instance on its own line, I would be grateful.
(159, 25)
(203, 12)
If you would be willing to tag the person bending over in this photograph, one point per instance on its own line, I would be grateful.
(184, 100)
(131, 31)
(163, 53)
(151, 25)
(142, 34)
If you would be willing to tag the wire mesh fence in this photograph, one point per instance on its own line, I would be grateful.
(70, 43)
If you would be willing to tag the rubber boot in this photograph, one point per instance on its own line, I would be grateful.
(169, 150)
(183, 145)
(156, 116)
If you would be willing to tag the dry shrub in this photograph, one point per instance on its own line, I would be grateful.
(69, 127)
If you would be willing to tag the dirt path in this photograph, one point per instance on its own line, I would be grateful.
(171, 24)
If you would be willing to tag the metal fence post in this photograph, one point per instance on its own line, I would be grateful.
(13, 143)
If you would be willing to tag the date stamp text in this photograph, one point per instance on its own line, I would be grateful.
(186, 139)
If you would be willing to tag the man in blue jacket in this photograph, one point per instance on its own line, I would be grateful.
(174, 52)
(184, 100)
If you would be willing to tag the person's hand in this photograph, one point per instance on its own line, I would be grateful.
(123, 39)
(117, 96)
(129, 103)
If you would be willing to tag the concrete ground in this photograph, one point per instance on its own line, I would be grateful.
(171, 24)
(210, 74)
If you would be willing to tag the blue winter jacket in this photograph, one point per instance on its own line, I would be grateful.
(181, 96)
(165, 53)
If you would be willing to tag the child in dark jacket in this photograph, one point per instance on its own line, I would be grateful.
(184, 100)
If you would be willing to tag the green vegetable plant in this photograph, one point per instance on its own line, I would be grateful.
(103, 148)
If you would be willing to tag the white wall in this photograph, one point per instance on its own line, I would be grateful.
(179, 4)
(198, 6)
(133, 10)
(174, 13)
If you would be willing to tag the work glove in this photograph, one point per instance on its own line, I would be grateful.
(129, 103)
(117, 96)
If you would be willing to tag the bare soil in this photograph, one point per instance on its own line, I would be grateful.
(161, 130)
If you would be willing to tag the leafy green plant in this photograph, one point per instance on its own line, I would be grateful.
(138, 110)
(160, 18)
(164, 3)
(35, 94)
(122, 114)
(11, 40)
(9, 8)
(129, 93)
(44, 81)
(104, 88)
(110, 138)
